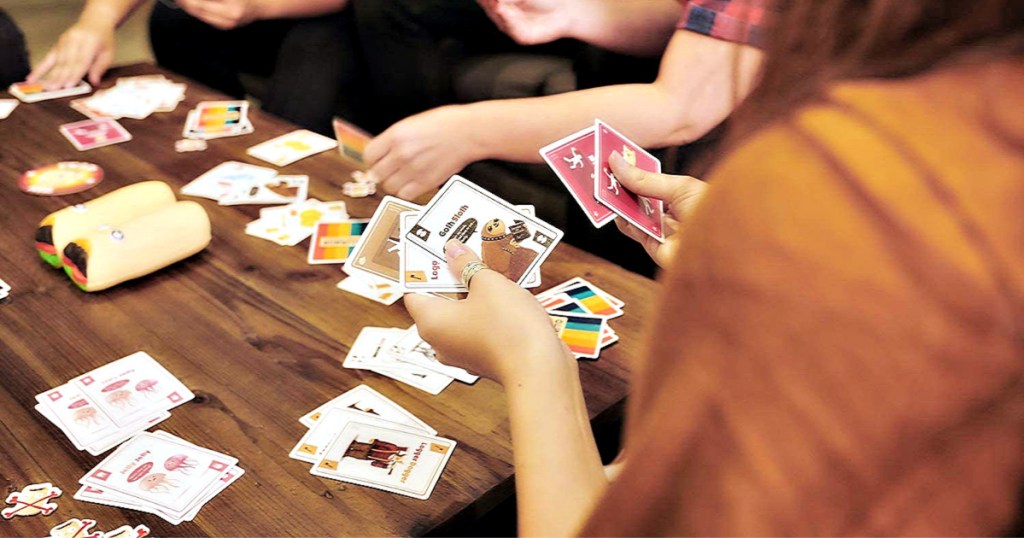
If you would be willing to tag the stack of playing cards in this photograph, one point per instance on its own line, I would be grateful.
(132, 97)
(362, 437)
(291, 224)
(404, 243)
(580, 160)
(33, 92)
(100, 409)
(236, 183)
(160, 474)
(217, 119)
(580, 312)
(289, 148)
(403, 356)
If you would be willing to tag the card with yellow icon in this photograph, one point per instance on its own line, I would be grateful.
(294, 146)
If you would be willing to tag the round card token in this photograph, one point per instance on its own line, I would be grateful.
(62, 178)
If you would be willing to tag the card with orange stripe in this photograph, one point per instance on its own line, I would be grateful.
(581, 332)
(333, 241)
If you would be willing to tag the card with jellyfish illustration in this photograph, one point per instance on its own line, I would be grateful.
(160, 470)
(132, 388)
(84, 423)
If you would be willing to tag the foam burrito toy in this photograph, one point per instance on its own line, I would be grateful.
(122, 205)
(124, 235)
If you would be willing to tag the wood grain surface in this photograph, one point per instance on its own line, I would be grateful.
(255, 331)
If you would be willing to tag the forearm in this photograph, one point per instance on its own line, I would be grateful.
(637, 27)
(107, 13)
(559, 476)
(295, 9)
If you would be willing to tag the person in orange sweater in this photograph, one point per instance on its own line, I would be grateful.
(840, 343)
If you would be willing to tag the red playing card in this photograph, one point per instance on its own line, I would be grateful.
(645, 213)
(91, 134)
(572, 159)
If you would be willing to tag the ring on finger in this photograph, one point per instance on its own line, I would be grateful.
(470, 270)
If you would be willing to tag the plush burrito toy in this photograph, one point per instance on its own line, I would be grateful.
(123, 235)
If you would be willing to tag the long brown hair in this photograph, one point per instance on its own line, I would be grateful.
(811, 43)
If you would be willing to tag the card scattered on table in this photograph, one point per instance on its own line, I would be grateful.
(403, 355)
(364, 438)
(6, 107)
(217, 119)
(100, 409)
(333, 241)
(89, 134)
(5, 290)
(161, 474)
(289, 148)
(292, 224)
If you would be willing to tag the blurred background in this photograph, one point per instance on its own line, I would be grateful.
(42, 22)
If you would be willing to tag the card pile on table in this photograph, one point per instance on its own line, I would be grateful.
(98, 410)
(580, 312)
(404, 243)
(217, 119)
(161, 474)
(362, 437)
(33, 92)
(580, 161)
(90, 134)
(403, 356)
(133, 97)
(289, 148)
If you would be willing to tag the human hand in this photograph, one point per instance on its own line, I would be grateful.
(532, 22)
(500, 331)
(86, 48)
(680, 195)
(422, 151)
(223, 14)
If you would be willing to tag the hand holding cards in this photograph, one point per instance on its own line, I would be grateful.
(580, 160)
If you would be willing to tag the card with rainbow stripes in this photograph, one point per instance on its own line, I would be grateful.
(581, 332)
(333, 241)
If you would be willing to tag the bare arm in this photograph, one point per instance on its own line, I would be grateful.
(229, 14)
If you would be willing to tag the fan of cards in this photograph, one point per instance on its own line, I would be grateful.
(362, 437)
(404, 243)
(403, 356)
(217, 119)
(580, 312)
(132, 97)
(161, 474)
(580, 160)
(98, 410)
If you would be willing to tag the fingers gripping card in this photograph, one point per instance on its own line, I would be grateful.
(508, 241)
(644, 213)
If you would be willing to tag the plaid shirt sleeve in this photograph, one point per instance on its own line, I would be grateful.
(740, 21)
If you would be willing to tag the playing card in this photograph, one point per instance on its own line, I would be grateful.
(6, 107)
(5, 289)
(314, 443)
(411, 348)
(213, 119)
(365, 400)
(226, 178)
(84, 423)
(159, 470)
(644, 213)
(132, 388)
(274, 190)
(376, 253)
(372, 351)
(506, 240)
(89, 134)
(592, 298)
(581, 332)
(430, 382)
(373, 288)
(33, 92)
(386, 458)
(333, 241)
(352, 141)
(572, 159)
(296, 145)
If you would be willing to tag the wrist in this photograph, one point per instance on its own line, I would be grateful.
(538, 370)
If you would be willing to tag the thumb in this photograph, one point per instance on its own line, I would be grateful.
(458, 255)
(644, 183)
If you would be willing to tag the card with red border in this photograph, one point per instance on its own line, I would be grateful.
(572, 159)
(89, 134)
(644, 213)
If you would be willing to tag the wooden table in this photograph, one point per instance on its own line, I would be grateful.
(257, 333)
